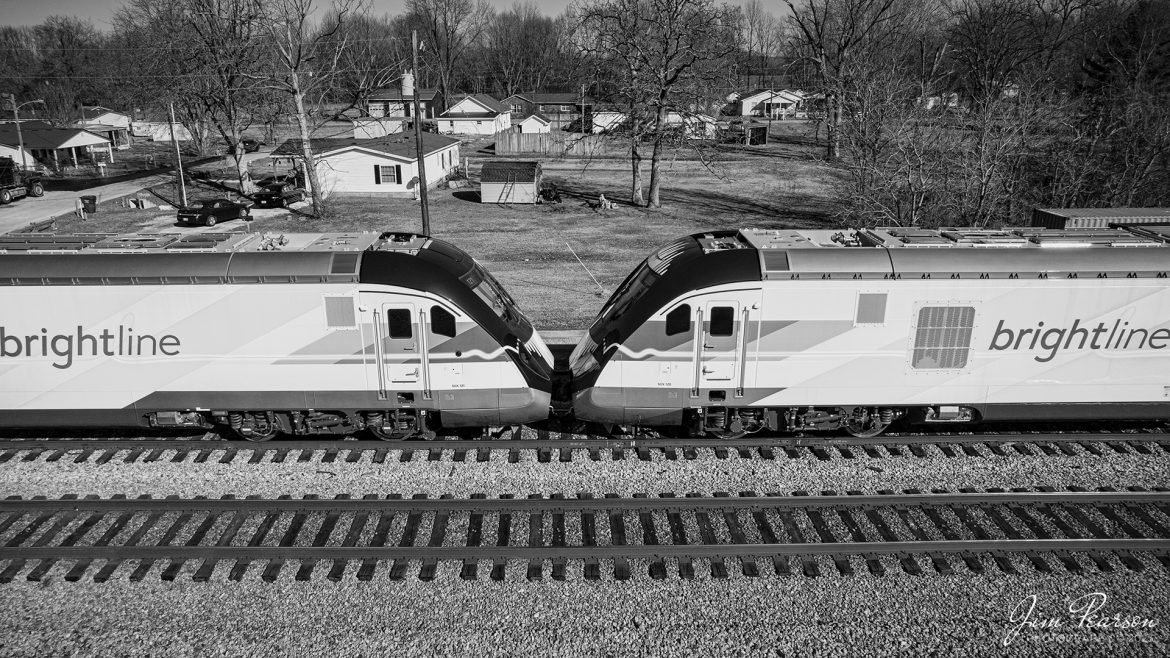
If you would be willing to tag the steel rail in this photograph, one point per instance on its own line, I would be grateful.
(576, 443)
(493, 505)
(257, 553)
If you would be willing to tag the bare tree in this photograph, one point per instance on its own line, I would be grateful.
(839, 37)
(309, 62)
(658, 48)
(448, 28)
(522, 48)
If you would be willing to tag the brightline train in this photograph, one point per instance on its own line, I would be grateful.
(721, 333)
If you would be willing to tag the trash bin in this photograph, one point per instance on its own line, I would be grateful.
(89, 203)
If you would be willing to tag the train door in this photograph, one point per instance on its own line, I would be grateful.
(400, 345)
(718, 350)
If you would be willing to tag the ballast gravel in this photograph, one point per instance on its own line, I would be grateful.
(706, 474)
(860, 615)
(964, 614)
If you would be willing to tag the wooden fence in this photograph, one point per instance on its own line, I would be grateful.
(554, 144)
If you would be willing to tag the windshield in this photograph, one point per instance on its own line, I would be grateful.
(484, 285)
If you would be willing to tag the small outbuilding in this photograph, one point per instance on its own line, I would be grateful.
(534, 123)
(509, 181)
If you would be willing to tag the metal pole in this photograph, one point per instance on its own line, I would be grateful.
(19, 135)
(418, 142)
(179, 160)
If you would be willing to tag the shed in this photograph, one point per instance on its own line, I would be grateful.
(509, 181)
(534, 123)
(1061, 218)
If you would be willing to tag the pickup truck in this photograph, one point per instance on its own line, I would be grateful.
(15, 183)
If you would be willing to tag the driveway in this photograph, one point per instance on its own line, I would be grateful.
(17, 215)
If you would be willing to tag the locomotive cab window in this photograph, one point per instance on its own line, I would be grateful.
(722, 321)
(398, 323)
(442, 322)
(678, 321)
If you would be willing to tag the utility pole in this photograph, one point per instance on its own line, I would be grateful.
(179, 160)
(19, 135)
(418, 142)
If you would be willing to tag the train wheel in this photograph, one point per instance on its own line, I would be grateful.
(862, 424)
(388, 436)
(259, 437)
(259, 427)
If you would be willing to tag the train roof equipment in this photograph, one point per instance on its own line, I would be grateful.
(1098, 217)
(898, 253)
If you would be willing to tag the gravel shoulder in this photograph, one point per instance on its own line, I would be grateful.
(961, 615)
(705, 474)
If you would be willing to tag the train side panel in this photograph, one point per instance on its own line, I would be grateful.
(114, 353)
(1066, 348)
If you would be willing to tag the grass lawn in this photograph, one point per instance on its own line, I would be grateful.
(530, 249)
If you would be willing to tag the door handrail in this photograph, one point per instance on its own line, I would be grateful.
(379, 353)
(699, 340)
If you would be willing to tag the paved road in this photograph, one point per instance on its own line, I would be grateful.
(17, 215)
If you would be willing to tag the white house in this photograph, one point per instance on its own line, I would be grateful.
(604, 120)
(51, 145)
(13, 152)
(769, 102)
(97, 115)
(383, 166)
(399, 103)
(534, 123)
(476, 114)
(160, 131)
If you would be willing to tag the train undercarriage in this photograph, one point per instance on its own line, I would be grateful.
(388, 424)
(858, 421)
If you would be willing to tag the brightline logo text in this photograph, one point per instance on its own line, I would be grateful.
(1118, 336)
(110, 342)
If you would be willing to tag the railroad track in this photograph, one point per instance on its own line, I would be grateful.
(103, 450)
(787, 534)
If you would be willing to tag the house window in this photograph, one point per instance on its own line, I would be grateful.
(566, 108)
(479, 123)
(387, 174)
(517, 108)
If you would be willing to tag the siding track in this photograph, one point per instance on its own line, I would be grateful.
(563, 447)
(394, 537)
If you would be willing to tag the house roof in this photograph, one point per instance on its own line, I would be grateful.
(489, 103)
(782, 94)
(95, 111)
(398, 145)
(40, 135)
(504, 171)
(538, 116)
(396, 95)
(560, 98)
(101, 127)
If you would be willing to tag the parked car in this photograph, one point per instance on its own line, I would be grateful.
(249, 146)
(210, 212)
(278, 195)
